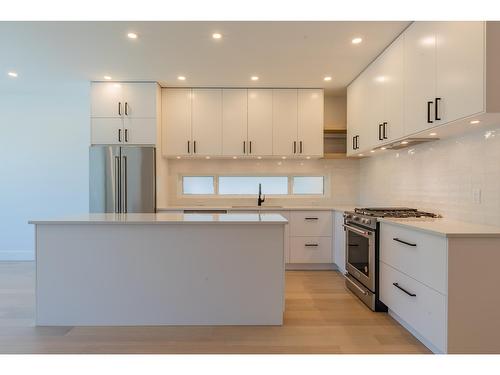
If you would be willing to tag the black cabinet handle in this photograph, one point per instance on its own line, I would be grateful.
(310, 218)
(119, 135)
(126, 109)
(119, 108)
(404, 242)
(311, 245)
(357, 142)
(294, 147)
(250, 151)
(194, 147)
(188, 147)
(126, 135)
(353, 143)
(244, 147)
(380, 132)
(384, 130)
(404, 290)
(300, 147)
(436, 110)
(429, 104)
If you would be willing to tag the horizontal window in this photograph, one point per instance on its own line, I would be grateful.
(246, 185)
(198, 185)
(308, 185)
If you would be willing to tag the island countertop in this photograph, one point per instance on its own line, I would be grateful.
(166, 218)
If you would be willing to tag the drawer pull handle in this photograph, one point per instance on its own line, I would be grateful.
(310, 218)
(406, 243)
(311, 245)
(404, 290)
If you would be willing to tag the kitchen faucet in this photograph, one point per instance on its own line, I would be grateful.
(261, 198)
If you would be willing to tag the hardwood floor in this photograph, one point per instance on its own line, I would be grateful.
(321, 317)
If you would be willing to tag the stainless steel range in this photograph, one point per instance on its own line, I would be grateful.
(362, 250)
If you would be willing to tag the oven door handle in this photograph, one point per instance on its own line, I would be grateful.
(358, 231)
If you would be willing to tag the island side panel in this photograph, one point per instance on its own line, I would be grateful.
(167, 274)
(473, 297)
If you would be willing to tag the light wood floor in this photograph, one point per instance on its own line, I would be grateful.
(320, 317)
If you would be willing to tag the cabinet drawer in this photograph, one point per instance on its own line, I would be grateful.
(311, 223)
(425, 312)
(421, 255)
(311, 250)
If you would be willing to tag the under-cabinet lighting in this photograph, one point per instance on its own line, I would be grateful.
(207, 157)
(235, 157)
(474, 122)
(132, 35)
(308, 157)
(107, 78)
(259, 157)
(356, 40)
(283, 157)
(12, 74)
(254, 78)
(360, 154)
(177, 157)
(216, 35)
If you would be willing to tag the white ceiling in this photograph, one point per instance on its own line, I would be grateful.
(282, 54)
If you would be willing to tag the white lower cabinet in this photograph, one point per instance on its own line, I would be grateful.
(311, 250)
(422, 308)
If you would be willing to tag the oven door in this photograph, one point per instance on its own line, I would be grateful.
(360, 254)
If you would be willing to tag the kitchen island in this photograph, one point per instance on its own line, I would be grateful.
(160, 269)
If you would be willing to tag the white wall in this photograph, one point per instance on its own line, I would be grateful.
(440, 176)
(342, 174)
(43, 159)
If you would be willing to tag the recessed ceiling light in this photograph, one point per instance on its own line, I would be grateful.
(372, 151)
(356, 40)
(132, 35)
(432, 134)
(12, 74)
(107, 78)
(327, 78)
(404, 142)
(473, 122)
(181, 78)
(383, 148)
(254, 78)
(217, 35)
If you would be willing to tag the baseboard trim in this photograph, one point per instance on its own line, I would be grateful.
(417, 335)
(9, 256)
(310, 266)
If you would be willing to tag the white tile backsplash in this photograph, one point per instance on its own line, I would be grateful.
(445, 176)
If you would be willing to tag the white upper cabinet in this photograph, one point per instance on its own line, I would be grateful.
(310, 122)
(176, 122)
(434, 74)
(234, 122)
(140, 100)
(207, 122)
(260, 122)
(420, 76)
(285, 131)
(459, 69)
(113, 107)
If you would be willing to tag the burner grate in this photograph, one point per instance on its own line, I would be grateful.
(396, 212)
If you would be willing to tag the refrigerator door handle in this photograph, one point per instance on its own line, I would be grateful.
(125, 187)
(117, 184)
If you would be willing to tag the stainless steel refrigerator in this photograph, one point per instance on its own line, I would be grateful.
(122, 179)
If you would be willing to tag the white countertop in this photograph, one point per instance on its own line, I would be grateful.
(261, 208)
(167, 218)
(446, 227)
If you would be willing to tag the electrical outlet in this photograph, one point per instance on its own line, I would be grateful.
(476, 195)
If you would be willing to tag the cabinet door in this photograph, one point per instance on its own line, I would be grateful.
(139, 131)
(234, 122)
(106, 99)
(392, 80)
(176, 121)
(260, 122)
(310, 122)
(285, 122)
(106, 131)
(373, 98)
(207, 121)
(354, 110)
(140, 100)
(460, 69)
(420, 76)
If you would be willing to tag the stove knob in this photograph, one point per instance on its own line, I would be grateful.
(356, 218)
(367, 221)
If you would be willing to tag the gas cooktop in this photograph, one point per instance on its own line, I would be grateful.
(396, 212)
